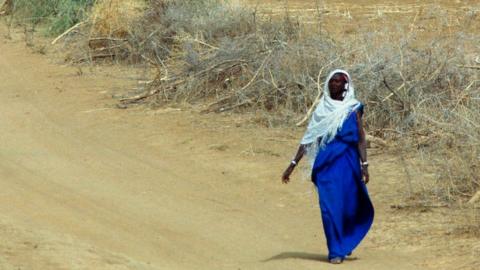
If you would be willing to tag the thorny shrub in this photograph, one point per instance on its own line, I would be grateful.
(421, 94)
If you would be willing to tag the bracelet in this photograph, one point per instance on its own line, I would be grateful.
(293, 162)
(365, 163)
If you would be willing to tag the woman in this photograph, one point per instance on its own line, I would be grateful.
(335, 139)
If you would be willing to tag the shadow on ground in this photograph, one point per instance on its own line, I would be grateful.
(298, 255)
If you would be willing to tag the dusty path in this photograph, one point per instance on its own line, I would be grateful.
(84, 186)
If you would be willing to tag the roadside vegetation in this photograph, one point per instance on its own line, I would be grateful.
(422, 94)
(56, 15)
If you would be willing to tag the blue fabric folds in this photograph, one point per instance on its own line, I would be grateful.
(346, 209)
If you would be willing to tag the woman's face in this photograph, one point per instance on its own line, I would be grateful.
(336, 85)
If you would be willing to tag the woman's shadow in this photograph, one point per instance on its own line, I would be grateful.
(298, 255)
(303, 256)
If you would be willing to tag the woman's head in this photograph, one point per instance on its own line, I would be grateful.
(338, 85)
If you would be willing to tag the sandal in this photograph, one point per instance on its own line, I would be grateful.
(336, 260)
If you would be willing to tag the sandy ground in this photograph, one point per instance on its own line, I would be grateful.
(86, 186)
(427, 19)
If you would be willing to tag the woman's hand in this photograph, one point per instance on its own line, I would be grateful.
(365, 175)
(286, 174)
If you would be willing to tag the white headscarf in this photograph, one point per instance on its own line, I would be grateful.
(329, 115)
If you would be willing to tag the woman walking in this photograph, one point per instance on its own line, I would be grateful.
(335, 140)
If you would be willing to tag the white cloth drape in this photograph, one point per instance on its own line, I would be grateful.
(329, 114)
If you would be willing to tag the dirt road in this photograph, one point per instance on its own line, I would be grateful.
(86, 186)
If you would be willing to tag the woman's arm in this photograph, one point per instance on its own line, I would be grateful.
(300, 152)
(362, 148)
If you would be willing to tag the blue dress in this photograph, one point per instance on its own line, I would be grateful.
(347, 212)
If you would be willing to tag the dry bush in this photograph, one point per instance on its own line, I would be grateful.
(223, 53)
(105, 34)
(425, 96)
(113, 18)
(420, 91)
(111, 22)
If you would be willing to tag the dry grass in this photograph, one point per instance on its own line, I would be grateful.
(113, 18)
(104, 33)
